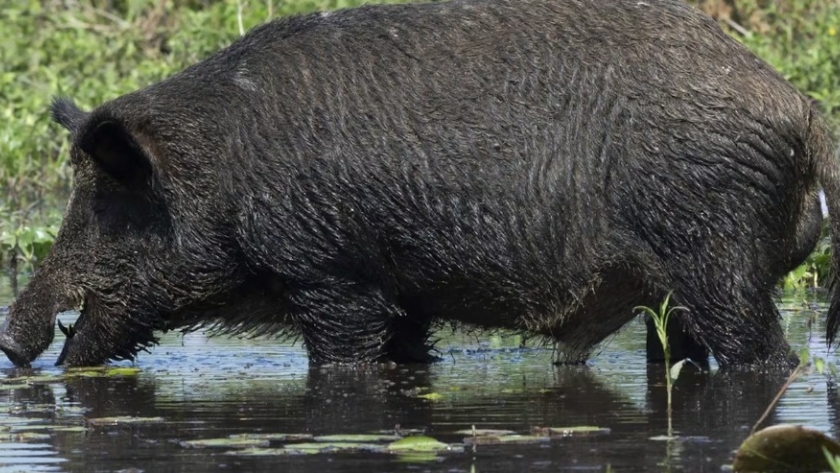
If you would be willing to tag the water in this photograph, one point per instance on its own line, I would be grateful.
(204, 388)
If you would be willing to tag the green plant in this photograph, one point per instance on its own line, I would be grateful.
(833, 460)
(801, 39)
(660, 320)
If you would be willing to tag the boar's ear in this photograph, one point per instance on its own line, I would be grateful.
(116, 151)
(67, 114)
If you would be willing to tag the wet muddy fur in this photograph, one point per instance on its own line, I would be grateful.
(354, 177)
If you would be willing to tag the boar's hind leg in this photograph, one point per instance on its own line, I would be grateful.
(735, 316)
(349, 324)
(683, 345)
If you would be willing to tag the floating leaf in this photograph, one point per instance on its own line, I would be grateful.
(576, 431)
(226, 442)
(431, 396)
(10, 387)
(418, 444)
(258, 452)
(514, 439)
(785, 447)
(123, 420)
(274, 437)
(75, 428)
(357, 438)
(331, 447)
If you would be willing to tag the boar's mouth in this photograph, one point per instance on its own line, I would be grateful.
(80, 304)
(105, 330)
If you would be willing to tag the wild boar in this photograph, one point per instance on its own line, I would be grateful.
(353, 177)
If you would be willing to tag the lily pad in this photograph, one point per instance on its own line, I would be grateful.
(226, 442)
(577, 431)
(102, 372)
(34, 379)
(514, 439)
(418, 444)
(274, 437)
(13, 386)
(357, 438)
(785, 447)
(29, 427)
(123, 420)
(331, 447)
(258, 452)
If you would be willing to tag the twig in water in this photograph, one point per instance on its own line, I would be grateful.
(795, 374)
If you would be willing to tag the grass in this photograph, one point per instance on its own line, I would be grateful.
(96, 50)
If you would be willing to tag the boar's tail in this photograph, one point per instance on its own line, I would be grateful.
(823, 154)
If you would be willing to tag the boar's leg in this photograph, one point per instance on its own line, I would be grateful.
(606, 306)
(682, 344)
(732, 313)
(350, 323)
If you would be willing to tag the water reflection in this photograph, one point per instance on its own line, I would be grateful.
(209, 388)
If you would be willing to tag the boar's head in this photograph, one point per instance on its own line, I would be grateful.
(141, 239)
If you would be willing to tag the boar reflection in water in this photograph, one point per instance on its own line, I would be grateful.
(353, 178)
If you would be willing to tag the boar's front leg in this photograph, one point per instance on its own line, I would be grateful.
(351, 323)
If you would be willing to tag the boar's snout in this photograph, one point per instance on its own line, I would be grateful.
(12, 349)
(29, 327)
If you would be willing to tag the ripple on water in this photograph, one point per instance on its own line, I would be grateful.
(210, 388)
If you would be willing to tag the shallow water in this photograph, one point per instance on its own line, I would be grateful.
(193, 387)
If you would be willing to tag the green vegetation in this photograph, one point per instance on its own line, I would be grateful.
(95, 50)
(660, 320)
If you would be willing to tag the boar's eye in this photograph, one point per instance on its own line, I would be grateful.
(117, 153)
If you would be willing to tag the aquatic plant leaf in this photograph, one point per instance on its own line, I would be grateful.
(418, 444)
(785, 447)
(431, 396)
(258, 452)
(515, 439)
(226, 442)
(274, 437)
(331, 447)
(575, 431)
(676, 368)
(11, 387)
(357, 438)
(123, 420)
